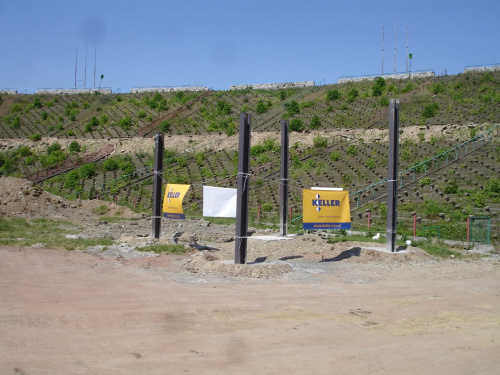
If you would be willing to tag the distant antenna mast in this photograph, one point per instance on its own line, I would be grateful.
(383, 46)
(407, 51)
(95, 62)
(85, 72)
(395, 42)
(76, 64)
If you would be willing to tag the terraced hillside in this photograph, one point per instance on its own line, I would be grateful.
(448, 146)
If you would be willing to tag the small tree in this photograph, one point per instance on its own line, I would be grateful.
(296, 125)
(378, 86)
(261, 107)
(333, 94)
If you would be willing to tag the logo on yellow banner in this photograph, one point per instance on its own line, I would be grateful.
(172, 202)
(323, 209)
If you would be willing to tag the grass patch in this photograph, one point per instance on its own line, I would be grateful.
(21, 232)
(164, 249)
(437, 249)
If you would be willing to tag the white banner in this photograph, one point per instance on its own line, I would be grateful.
(219, 202)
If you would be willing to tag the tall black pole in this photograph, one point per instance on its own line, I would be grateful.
(240, 249)
(284, 178)
(392, 178)
(157, 184)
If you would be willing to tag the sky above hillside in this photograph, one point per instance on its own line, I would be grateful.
(219, 43)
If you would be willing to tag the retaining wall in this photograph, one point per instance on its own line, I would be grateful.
(168, 89)
(8, 91)
(273, 86)
(428, 74)
(72, 91)
(481, 69)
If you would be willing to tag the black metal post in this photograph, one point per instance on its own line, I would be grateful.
(392, 178)
(240, 249)
(157, 184)
(284, 178)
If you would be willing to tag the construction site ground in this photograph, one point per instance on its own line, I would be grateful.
(301, 305)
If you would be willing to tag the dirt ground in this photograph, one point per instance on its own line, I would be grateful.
(300, 306)
(77, 313)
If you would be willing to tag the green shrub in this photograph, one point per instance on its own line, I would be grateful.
(74, 147)
(44, 115)
(141, 114)
(378, 86)
(409, 87)
(437, 88)
(223, 107)
(493, 186)
(425, 181)
(53, 147)
(432, 208)
(127, 168)
(35, 137)
(257, 150)
(16, 123)
(352, 150)
(352, 94)
(292, 108)
(200, 158)
(430, 110)
(335, 155)
(261, 107)
(315, 122)
(125, 123)
(72, 179)
(370, 163)
(37, 103)
(384, 102)
(103, 120)
(320, 141)
(87, 171)
(165, 127)
(24, 151)
(271, 145)
(451, 187)
(333, 94)
(54, 157)
(16, 108)
(296, 125)
(110, 164)
(267, 207)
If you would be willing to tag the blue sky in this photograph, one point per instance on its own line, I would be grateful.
(219, 43)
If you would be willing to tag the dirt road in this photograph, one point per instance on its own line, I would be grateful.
(76, 313)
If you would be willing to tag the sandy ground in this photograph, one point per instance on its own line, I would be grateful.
(78, 313)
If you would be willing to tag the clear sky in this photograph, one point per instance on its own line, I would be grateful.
(218, 43)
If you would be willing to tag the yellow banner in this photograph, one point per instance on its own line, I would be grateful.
(323, 209)
(172, 202)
